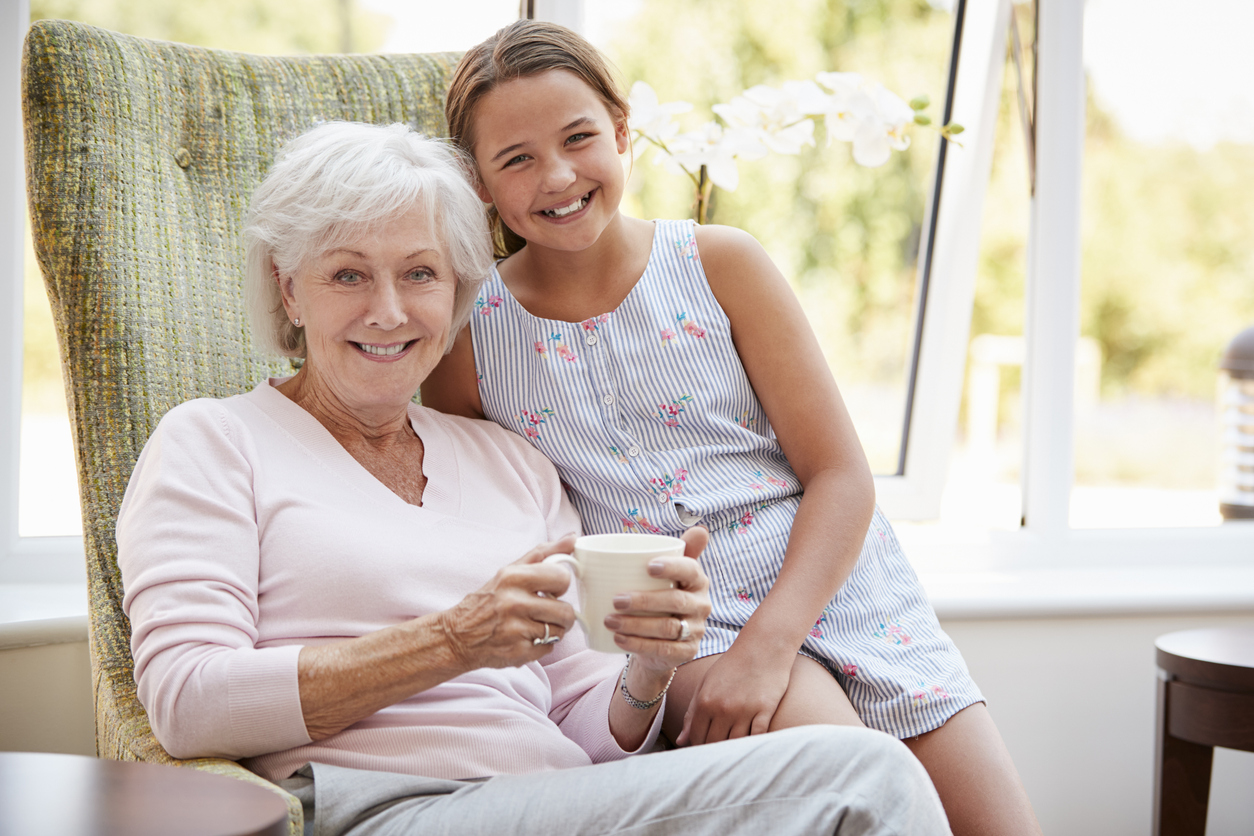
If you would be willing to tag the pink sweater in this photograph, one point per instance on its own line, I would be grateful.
(247, 532)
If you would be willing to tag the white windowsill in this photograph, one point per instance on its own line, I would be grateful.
(33, 614)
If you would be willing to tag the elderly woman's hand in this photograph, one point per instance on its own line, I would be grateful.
(661, 643)
(497, 626)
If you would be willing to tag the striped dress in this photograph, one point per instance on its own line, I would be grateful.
(651, 420)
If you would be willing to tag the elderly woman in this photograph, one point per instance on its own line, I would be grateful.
(325, 580)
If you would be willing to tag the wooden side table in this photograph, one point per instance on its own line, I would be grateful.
(1205, 699)
(72, 795)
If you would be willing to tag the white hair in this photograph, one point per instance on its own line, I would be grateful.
(336, 180)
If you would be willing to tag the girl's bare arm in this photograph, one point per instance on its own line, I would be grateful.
(784, 363)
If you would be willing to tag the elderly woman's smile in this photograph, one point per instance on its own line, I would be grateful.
(377, 310)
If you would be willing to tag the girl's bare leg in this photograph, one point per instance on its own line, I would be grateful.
(975, 777)
(966, 758)
(813, 696)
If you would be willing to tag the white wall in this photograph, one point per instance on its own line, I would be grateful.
(1073, 697)
(1075, 700)
(45, 699)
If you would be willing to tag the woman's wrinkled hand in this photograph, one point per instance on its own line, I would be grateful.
(661, 642)
(497, 625)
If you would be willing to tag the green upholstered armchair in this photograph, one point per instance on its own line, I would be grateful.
(141, 156)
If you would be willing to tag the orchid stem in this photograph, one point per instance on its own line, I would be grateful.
(704, 186)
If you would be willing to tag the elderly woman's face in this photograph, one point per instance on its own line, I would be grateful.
(376, 312)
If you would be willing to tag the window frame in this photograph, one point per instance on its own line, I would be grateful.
(946, 303)
(1045, 540)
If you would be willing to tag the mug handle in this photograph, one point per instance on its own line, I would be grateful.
(571, 563)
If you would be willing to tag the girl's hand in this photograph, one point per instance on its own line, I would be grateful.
(659, 643)
(736, 698)
(495, 626)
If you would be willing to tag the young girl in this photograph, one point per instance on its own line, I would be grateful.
(670, 373)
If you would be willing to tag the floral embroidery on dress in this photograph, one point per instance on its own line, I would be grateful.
(850, 671)
(924, 694)
(668, 336)
(540, 348)
(817, 630)
(562, 349)
(669, 413)
(759, 478)
(687, 247)
(636, 521)
(892, 633)
(595, 322)
(741, 525)
(531, 421)
(745, 421)
(743, 594)
(691, 328)
(487, 306)
(669, 484)
(618, 454)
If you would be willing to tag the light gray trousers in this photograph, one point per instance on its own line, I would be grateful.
(808, 780)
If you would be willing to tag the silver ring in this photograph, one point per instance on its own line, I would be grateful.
(547, 638)
(684, 630)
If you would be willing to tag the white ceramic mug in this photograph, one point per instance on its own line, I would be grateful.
(608, 564)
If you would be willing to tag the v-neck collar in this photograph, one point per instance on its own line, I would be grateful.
(439, 460)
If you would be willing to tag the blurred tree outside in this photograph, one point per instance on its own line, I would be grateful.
(1168, 229)
(269, 27)
(1167, 266)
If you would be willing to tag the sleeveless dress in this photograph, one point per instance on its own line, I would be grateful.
(654, 426)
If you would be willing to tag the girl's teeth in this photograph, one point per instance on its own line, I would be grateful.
(566, 210)
(383, 351)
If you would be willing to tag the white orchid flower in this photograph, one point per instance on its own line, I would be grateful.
(841, 84)
(867, 114)
(896, 114)
(884, 129)
(717, 150)
(651, 119)
(779, 117)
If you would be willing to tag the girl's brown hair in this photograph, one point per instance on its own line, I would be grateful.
(524, 48)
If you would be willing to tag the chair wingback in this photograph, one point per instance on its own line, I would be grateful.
(141, 157)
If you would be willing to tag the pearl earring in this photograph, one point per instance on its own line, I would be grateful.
(296, 322)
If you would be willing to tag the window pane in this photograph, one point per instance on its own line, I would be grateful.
(439, 25)
(1168, 254)
(846, 236)
(47, 480)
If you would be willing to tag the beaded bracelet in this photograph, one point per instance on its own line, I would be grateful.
(640, 704)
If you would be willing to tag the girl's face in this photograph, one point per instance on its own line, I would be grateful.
(548, 153)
